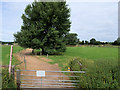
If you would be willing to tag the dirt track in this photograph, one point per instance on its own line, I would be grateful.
(35, 63)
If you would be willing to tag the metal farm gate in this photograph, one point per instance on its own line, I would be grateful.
(47, 79)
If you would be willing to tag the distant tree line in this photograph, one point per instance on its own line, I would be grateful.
(71, 39)
(9, 43)
(93, 42)
(117, 42)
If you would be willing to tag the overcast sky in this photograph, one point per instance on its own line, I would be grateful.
(97, 20)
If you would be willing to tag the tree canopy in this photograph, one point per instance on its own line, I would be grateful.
(45, 24)
(92, 41)
(71, 39)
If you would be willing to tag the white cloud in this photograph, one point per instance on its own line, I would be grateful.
(89, 20)
(97, 20)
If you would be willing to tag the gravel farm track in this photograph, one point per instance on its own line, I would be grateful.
(34, 62)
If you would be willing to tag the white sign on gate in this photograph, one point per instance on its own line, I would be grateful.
(40, 73)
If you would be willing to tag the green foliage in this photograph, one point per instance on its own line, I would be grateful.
(7, 82)
(86, 42)
(37, 51)
(92, 41)
(100, 74)
(9, 43)
(83, 42)
(45, 25)
(71, 39)
(97, 43)
(116, 42)
(118, 39)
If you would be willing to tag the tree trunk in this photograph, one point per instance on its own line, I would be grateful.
(33, 52)
(42, 51)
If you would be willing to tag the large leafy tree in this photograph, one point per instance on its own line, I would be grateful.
(45, 24)
(71, 39)
(92, 41)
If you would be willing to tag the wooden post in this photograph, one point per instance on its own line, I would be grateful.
(18, 79)
(47, 55)
(13, 71)
(10, 63)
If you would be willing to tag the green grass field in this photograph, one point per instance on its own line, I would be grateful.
(6, 54)
(87, 53)
(99, 63)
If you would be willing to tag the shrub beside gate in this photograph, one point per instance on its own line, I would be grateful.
(99, 74)
(7, 82)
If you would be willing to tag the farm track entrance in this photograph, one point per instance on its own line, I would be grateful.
(54, 78)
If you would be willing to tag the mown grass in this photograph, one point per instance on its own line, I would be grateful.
(6, 54)
(87, 53)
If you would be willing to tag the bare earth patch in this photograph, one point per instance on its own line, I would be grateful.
(43, 59)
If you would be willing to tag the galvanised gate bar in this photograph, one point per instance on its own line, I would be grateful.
(47, 79)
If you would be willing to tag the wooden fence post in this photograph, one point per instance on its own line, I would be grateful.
(13, 71)
(10, 64)
(18, 79)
